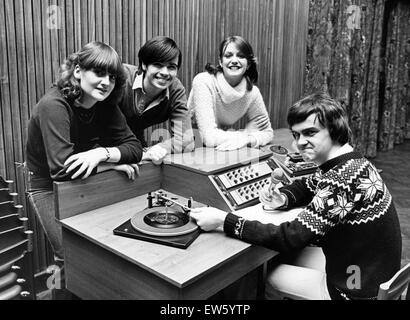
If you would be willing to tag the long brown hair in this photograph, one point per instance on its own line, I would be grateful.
(96, 56)
(245, 48)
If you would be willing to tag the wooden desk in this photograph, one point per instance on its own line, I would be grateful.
(101, 265)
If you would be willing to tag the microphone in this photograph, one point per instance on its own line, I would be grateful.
(278, 176)
(270, 198)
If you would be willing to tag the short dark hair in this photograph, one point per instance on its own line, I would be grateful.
(158, 49)
(330, 113)
(92, 56)
(245, 48)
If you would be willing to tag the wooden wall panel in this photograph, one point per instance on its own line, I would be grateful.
(37, 35)
(4, 93)
(33, 50)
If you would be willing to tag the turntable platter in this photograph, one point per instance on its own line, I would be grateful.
(163, 222)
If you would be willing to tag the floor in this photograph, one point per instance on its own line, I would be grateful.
(396, 174)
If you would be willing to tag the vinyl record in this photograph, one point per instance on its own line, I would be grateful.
(157, 221)
(279, 149)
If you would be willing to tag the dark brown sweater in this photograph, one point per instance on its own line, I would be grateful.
(56, 130)
(172, 109)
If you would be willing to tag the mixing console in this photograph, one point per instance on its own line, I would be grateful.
(241, 186)
(243, 174)
(248, 192)
(229, 185)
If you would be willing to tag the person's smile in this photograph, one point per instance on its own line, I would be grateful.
(162, 80)
(235, 67)
(159, 76)
(103, 91)
(96, 85)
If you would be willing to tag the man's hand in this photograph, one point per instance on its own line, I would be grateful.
(208, 218)
(271, 198)
(131, 170)
(270, 195)
(156, 154)
(85, 162)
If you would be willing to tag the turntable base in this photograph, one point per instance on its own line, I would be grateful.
(161, 223)
(181, 241)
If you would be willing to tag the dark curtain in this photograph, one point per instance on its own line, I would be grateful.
(359, 52)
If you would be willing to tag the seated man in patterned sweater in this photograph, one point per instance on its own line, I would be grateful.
(348, 211)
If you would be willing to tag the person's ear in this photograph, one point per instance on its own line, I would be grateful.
(77, 72)
(143, 67)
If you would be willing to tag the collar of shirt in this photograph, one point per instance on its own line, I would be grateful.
(137, 85)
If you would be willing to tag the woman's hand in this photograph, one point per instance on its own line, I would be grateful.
(233, 143)
(155, 153)
(208, 218)
(237, 143)
(131, 170)
(84, 162)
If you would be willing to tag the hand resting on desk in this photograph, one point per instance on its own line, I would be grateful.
(155, 153)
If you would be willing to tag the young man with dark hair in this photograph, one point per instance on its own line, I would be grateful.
(154, 94)
(348, 211)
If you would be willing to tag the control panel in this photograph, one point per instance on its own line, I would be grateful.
(240, 186)
(228, 181)
(241, 175)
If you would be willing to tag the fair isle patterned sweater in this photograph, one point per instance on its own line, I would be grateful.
(350, 213)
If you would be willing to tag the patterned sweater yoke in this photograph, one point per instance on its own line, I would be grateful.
(351, 192)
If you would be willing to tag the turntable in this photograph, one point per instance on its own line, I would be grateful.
(165, 221)
(292, 162)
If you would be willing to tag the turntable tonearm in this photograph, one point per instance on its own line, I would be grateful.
(165, 220)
